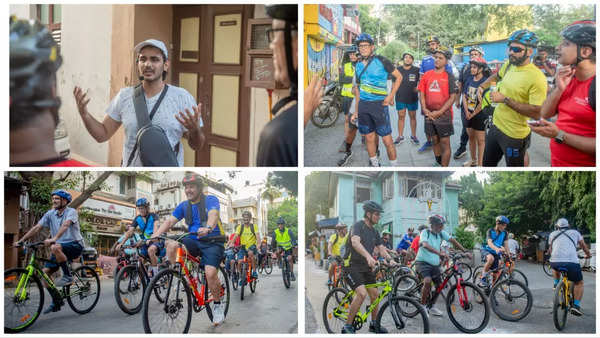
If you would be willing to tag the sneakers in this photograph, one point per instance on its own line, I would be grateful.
(64, 281)
(218, 314)
(470, 163)
(329, 283)
(434, 311)
(348, 329)
(460, 152)
(576, 311)
(483, 283)
(426, 146)
(254, 274)
(414, 140)
(344, 160)
(399, 140)
(292, 277)
(342, 148)
(51, 308)
(373, 329)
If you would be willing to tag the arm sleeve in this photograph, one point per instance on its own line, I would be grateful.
(115, 108)
(212, 203)
(179, 212)
(422, 83)
(292, 236)
(488, 235)
(44, 220)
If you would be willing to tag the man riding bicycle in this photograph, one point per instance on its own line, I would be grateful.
(201, 213)
(233, 246)
(336, 242)
(146, 221)
(359, 263)
(249, 238)
(496, 243)
(66, 242)
(427, 262)
(285, 241)
(563, 248)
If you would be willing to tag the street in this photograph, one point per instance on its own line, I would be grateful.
(539, 319)
(321, 146)
(272, 309)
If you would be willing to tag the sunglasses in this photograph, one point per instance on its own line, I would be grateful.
(515, 49)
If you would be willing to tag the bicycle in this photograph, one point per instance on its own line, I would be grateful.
(26, 303)
(546, 265)
(390, 315)
(266, 264)
(286, 273)
(516, 274)
(186, 279)
(338, 275)
(460, 296)
(246, 274)
(131, 283)
(563, 300)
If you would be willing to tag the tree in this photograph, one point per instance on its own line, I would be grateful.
(289, 211)
(270, 193)
(378, 28)
(470, 196)
(284, 179)
(316, 198)
(393, 50)
(553, 18)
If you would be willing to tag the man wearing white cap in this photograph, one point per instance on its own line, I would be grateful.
(177, 113)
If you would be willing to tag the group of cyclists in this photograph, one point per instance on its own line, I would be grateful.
(360, 248)
(498, 110)
(201, 213)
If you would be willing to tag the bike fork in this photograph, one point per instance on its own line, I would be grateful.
(398, 321)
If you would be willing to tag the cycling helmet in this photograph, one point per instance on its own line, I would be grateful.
(479, 62)
(34, 60)
(62, 194)
(372, 206)
(340, 226)
(352, 49)
(364, 37)
(142, 202)
(445, 51)
(385, 232)
(192, 178)
(524, 37)
(502, 219)
(433, 38)
(246, 212)
(280, 220)
(407, 53)
(562, 223)
(582, 33)
(437, 219)
(478, 49)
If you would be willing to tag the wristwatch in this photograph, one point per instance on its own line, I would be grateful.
(560, 137)
(505, 100)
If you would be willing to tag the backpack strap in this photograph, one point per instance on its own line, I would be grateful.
(592, 94)
(189, 219)
(141, 112)
(364, 69)
(561, 233)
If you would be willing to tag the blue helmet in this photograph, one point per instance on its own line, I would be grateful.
(142, 202)
(364, 37)
(62, 194)
(524, 37)
(502, 219)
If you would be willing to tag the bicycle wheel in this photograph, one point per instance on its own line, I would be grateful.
(520, 276)
(547, 268)
(160, 288)
(174, 315)
(244, 281)
(419, 323)
(22, 303)
(405, 283)
(253, 285)
(465, 269)
(84, 293)
(225, 296)
(269, 265)
(129, 289)
(511, 300)
(476, 272)
(285, 272)
(560, 308)
(235, 278)
(474, 313)
(335, 310)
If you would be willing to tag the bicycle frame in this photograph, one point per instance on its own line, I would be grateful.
(449, 273)
(387, 289)
(183, 257)
(249, 278)
(32, 268)
(567, 285)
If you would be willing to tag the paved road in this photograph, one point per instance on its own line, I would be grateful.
(539, 319)
(272, 309)
(321, 146)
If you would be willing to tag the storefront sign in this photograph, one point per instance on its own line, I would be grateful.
(102, 208)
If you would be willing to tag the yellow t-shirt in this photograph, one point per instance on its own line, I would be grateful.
(335, 249)
(525, 84)
(247, 239)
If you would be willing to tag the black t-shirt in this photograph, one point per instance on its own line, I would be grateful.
(369, 238)
(278, 146)
(410, 79)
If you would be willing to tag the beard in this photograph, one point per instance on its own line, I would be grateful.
(517, 61)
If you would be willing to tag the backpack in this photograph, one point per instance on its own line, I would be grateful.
(154, 146)
(242, 230)
(201, 211)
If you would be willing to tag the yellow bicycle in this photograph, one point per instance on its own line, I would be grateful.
(563, 300)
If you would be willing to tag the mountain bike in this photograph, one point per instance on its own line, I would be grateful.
(338, 275)
(462, 297)
(516, 273)
(391, 315)
(24, 294)
(563, 300)
(186, 290)
(266, 264)
(247, 278)
(286, 273)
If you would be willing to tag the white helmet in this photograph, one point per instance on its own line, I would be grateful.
(562, 223)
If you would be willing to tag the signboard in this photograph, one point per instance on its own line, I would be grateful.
(102, 208)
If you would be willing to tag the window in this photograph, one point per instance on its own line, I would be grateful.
(388, 188)
(51, 15)
(363, 190)
(410, 184)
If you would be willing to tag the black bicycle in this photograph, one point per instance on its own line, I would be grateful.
(286, 272)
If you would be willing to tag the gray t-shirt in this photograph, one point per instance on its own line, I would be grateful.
(54, 221)
(563, 250)
(176, 100)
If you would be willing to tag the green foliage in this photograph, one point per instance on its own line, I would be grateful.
(377, 27)
(393, 50)
(284, 179)
(289, 211)
(470, 196)
(552, 19)
(316, 201)
(465, 238)
(42, 186)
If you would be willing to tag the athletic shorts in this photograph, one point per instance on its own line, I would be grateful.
(477, 122)
(71, 249)
(160, 252)
(373, 117)
(441, 127)
(573, 270)
(427, 270)
(497, 144)
(211, 253)
(244, 252)
(346, 104)
(496, 258)
(408, 106)
(356, 278)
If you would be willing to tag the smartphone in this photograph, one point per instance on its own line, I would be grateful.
(534, 123)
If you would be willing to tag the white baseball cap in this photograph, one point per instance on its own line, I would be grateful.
(154, 43)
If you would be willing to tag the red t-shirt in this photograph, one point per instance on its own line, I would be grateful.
(575, 116)
(68, 163)
(237, 241)
(415, 244)
(437, 88)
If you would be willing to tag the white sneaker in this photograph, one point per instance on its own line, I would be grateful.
(218, 314)
(435, 312)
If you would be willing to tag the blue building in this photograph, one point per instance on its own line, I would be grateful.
(494, 50)
(408, 198)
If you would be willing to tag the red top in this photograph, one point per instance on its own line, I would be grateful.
(237, 241)
(575, 116)
(68, 163)
(437, 88)
(415, 244)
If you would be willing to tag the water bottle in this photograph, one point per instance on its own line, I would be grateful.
(493, 89)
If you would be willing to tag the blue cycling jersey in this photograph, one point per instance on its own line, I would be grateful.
(210, 203)
(498, 238)
(148, 226)
(372, 82)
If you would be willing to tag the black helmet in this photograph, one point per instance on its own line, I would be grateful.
(372, 206)
(581, 33)
(283, 12)
(437, 219)
(34, 60)
(280, 220)
(246, 212)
